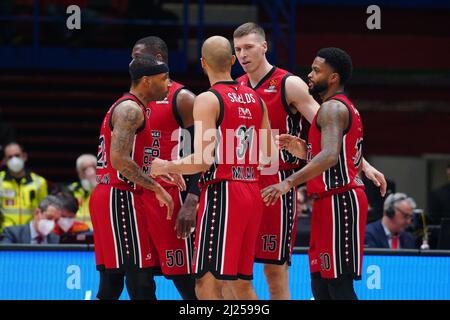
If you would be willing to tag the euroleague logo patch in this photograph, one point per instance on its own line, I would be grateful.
(272, 86)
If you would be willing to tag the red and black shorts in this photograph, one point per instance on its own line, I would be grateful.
(278, 228)
(121, 240)
(338, 223)
(174, 254)
(227, 226)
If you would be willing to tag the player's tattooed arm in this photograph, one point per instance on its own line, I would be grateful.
(126, 120)
(333, 119)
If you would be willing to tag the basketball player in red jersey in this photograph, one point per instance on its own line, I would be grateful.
(122, 246)
(289, 104)
(334, 153)
(228, 118)
(168, 118)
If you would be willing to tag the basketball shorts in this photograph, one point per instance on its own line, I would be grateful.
(174, 254)
(121, 240)
(276, 236)
(338, 223)
(227, 226)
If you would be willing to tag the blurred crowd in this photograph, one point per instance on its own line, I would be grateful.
(31, 212)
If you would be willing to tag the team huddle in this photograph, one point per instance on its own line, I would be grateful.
(198, 188)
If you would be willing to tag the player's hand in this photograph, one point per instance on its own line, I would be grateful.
(271, 193)
(165, 199)
(159, 167)
(174, 178)
(375, 176)
(187, 217)
(296, 146)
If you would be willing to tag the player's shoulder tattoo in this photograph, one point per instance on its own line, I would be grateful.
(332, 111)
(129, 113)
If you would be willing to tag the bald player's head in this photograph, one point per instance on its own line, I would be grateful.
(217, 53)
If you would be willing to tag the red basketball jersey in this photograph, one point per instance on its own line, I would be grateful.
(239, 123)
(140, 153)
(271, 89)
(166, 127)
(343, 176)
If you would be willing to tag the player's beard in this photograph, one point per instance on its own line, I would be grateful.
(318, 88)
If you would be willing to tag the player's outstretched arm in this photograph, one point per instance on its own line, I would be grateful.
(295, 145)
(297, 95)
(333, 120)
(206, 113)
(187, 216)
(126, 120)
(268, 147)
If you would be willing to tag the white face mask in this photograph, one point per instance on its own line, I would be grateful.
(90, 180)
(87, 184)
(45, 226)
(66, 223)
(15, 164)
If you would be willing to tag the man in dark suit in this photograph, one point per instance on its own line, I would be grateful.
(389, 231)
(40, 229)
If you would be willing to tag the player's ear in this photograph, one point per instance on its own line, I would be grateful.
(159, 57)
(233, 59)
(203, 63)
(334, 77)
(264, 45)
(147, 80)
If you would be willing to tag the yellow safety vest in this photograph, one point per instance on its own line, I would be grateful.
(83, 197)
(19, 199)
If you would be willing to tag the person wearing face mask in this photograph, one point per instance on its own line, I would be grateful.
(82, 188)
(67, 227)
(20, 189)
(40, 229)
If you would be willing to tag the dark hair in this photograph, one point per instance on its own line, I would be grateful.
(138, 64)
(68, 201)
(155, 45)
(248, 28)
(339, 60)
(22, 148)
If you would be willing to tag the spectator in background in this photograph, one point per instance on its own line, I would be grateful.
(20, 189)
(66, 226)
(389, 231)
(40, 229)
(439, 202)
(82, 189)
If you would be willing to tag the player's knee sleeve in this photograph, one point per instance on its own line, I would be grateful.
(342, 288)
(319, 287)
(141, 285)
(185, 286)
(111, 286)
